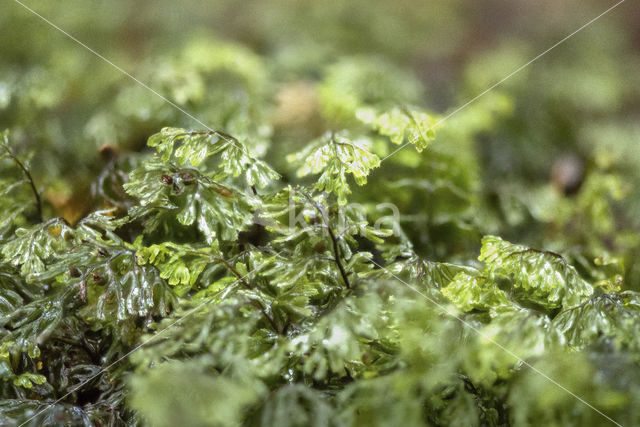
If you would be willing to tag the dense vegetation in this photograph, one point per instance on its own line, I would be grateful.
(305, 234)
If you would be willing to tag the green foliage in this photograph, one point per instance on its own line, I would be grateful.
(186, 282)
(517, 276)
(544, 277)
(335, 156)
(474, 293)
(167, 191)
(177, 263)
(613, 316)
(195, 147)
(359, 82)
(179, 393)
(401, 125)
(30, 248)
(296, 405)
(15, 195)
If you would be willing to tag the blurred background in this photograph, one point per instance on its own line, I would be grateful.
(550, 158)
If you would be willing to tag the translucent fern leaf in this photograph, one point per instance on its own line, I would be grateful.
(27, 380)
(178, 264)
(185, 148)
(541, 277)
(342, 343)
(32, 247)
(194, 147)
(130, 290)
(475, 293)
(433, 274)
(334, 156)
(113, 286)
(401, 125)
(99, 226)
(99, 270)
(7, 369)
(31, 324)
(167, 193)
(613, 316)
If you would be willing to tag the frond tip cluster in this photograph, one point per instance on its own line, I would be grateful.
(333, 156)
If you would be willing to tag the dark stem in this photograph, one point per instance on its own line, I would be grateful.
(264, 313)
(336, 253)
(244, 283)
(334, 241)
(254, 302)
(233, 270)
(29, 178)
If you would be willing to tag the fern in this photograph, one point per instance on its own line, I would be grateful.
(545, 277)
(402, 125)
(612, 316)
(167, 191)
(195, 147)
(32, 247)
(334, 156)
(235, 275)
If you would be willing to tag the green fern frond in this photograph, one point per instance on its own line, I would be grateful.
(333, 156)
(402, 125)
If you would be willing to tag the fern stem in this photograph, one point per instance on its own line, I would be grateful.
(27, 173)
(334, 241)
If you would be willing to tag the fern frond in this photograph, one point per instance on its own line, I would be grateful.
(333, 156)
